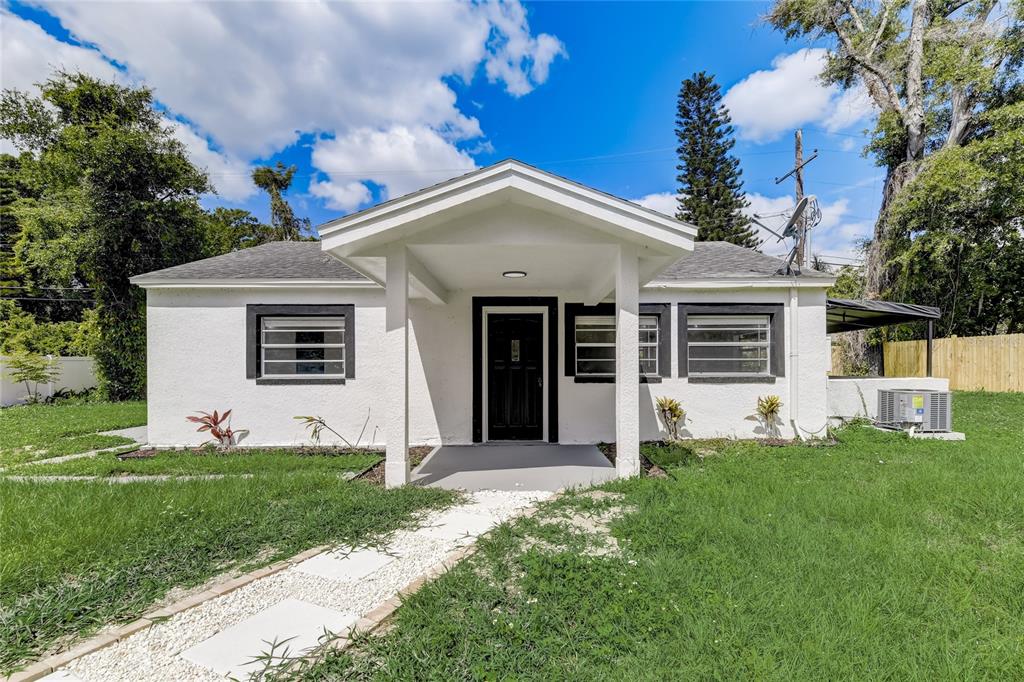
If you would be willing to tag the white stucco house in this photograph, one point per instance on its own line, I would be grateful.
(505, 304)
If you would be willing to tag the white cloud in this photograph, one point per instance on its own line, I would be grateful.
(253, 74)
(516, 57)
(849, 108)
(230, 176)
(252, 77)
(834, 235)
(28, 55)
(663, 202)
(401, 159)
(832, 214)
(767, 103)
(343, 196)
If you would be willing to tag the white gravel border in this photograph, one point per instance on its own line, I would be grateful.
(152, 654)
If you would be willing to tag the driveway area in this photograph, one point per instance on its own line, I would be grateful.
(514, 467)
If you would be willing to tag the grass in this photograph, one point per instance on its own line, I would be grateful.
(878, 558)
(206, 462)
(78, 555)
(30, 432)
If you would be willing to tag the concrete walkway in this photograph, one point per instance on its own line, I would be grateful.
(139, 434)
(220, 637)
(514, 467)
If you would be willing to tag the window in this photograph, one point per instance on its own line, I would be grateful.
(719, 345)
(300, 344)
(595, 346)
(298, 347)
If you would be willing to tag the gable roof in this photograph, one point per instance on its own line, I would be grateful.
(305, 262)
(506, 180)
(723, 260)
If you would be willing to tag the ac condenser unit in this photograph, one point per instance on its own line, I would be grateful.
(924, 410)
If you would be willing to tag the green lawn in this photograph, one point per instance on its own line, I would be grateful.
(877, 558)
(30, 432)
(212, 462)
(78, 555)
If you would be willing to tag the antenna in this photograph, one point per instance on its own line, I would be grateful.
(806, 216)
(792, 226)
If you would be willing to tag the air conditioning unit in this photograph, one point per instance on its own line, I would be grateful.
(923, 410)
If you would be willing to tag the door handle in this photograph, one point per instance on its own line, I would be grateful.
(540, 381)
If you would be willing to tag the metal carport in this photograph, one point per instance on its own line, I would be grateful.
(847, 315)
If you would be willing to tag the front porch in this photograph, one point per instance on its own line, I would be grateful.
(533, 466)
(514, 241)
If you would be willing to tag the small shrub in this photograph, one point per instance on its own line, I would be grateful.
(219, 426)
(670, 454)
(768, 409)
(32, 369)
(317, 425)
(672, 415)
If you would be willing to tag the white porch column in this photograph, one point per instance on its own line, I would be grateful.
(396, 353)
(627, 363)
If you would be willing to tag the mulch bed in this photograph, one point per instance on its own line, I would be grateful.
(375, 474)
(301, 451)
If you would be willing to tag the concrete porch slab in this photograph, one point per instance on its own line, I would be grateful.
(542, 466)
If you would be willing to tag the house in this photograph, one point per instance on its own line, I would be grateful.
(508, 304)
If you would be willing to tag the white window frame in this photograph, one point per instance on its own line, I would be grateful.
(339, 323)
(765, 322)
(607, 323)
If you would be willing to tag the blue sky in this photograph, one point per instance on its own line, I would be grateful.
(374, 100)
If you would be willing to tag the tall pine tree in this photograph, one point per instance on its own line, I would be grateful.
(710, 189)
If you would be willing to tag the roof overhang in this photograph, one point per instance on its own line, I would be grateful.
(846, 315)
(745, 283)
(250, 283)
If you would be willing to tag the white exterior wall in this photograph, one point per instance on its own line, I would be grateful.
(76, 374)
(197, 362)
(851, 397)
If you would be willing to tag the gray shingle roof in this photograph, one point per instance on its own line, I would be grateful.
(722, 260)
(305, 260)
(276, 260)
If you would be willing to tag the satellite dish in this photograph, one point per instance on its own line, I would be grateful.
(794, 220)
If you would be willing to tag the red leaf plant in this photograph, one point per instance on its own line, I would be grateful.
(219, 426)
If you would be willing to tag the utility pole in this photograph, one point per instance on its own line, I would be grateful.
(803, 242)
(803, 248)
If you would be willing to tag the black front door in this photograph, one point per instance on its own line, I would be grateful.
(515, 376)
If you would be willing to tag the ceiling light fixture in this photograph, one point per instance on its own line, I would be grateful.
(514, 274)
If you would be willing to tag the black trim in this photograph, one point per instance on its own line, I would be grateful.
(611, 380)
(738, 379)
(479, 303)
(777, 313)
(663, 311)
(255, 312)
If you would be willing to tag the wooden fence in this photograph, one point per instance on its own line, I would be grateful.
(971, 363)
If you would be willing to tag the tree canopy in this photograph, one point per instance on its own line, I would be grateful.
(945, 77)
(710, 191)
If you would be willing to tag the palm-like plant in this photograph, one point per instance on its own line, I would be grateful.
(768, 409)
(219, 427)
(672, 415)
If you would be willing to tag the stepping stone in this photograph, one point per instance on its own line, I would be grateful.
(338, 566)
(457, 524)
(231, 651)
